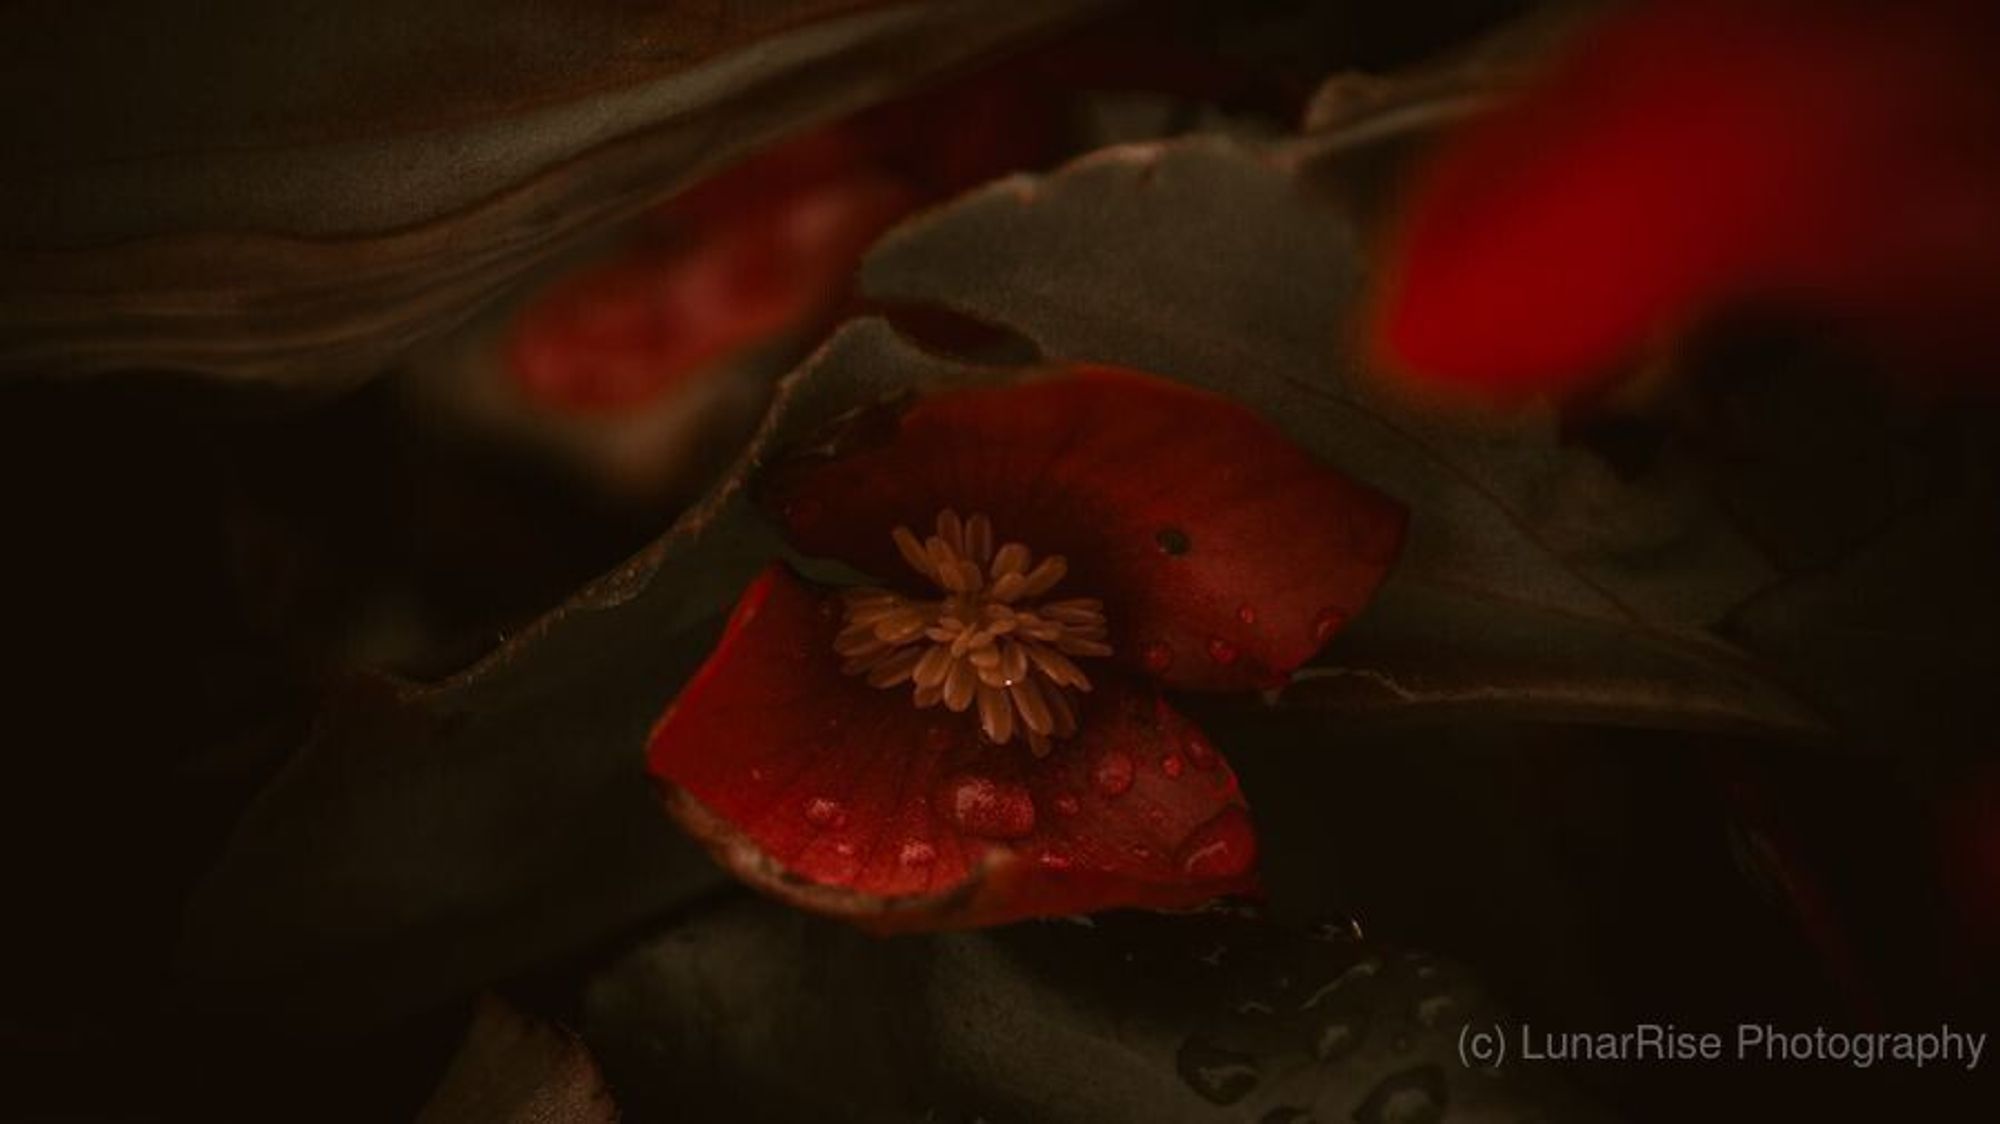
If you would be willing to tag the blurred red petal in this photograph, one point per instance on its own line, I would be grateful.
(847, 799)
(1225, 556)
(1835, 156)
(750, 254)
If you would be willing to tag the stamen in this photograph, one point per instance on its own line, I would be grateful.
(986, 641)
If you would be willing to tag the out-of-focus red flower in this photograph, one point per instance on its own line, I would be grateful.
(980, 737)
(732, 263)
(1832, 156)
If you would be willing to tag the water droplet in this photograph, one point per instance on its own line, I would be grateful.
(1223, 847)
(1199, 750)
(1222, 651)
(1066, 803)
(1432, 1010)
(1414, 1096)
(1173, 541)
(822, 811)
(844, 849)
(1359, 971)
(1328, 621)
(1054, 860)
(1337, 930)
(916, 852)
(758, 775)
(1247, 613)
(1112, 773)
(1220, 1076)
(994, 809)
(1156, 656)
(1337, 1039)
(1173, 765)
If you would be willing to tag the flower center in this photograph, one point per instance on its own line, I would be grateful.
(988, 639)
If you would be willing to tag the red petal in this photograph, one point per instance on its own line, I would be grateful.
(1225, 555)
(847, 799)
(1832, 155)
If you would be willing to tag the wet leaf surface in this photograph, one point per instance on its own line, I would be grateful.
(1206, 1017)
(1211, 262)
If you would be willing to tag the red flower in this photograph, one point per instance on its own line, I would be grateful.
(1830, 156)
(979, 737)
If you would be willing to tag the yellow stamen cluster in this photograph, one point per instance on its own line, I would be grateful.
(987, 640)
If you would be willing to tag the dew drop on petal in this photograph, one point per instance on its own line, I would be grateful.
(1173, 765)
(1112, 773)
(1156, 656)
(1054, 860)
(1223, 847)
(1066, 803)
(993, 809)
(1220, 1076)
(1247, 613)
(916, 852)
(1222, 651)
(1328, 621)
(844, 848)
(822, 811)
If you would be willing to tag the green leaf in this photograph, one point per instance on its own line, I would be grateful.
(754, 1011)
(430, 839)
(297, 193)
(1535, 583)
